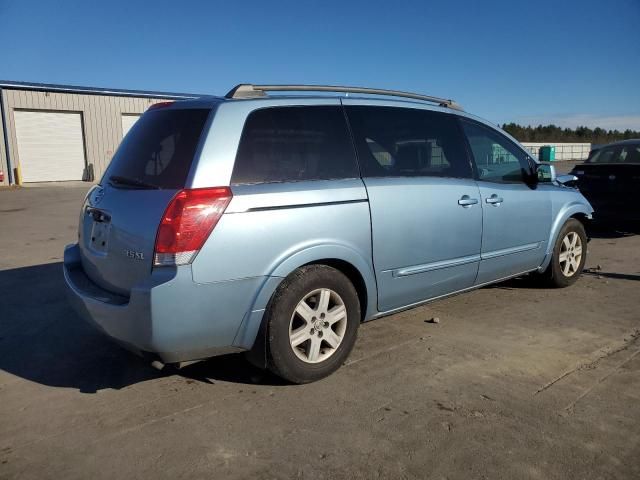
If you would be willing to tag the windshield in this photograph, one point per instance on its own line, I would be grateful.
(158, 150)
(617, 154)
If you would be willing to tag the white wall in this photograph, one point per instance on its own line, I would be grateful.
(101, 120)
(564, 151)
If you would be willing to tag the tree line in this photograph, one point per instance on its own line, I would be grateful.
(553, 133)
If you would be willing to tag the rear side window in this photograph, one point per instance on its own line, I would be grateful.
(288, 144)
(159, 148)
(405, 142)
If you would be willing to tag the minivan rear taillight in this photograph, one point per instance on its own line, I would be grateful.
(187, 222)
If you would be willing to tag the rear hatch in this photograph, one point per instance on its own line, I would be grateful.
(120, 217)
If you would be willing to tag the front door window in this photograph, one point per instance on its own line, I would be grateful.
(497, 159)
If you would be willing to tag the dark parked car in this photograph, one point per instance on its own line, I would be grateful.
(609, 178)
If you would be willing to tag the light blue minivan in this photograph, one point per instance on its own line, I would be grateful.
(276, 224)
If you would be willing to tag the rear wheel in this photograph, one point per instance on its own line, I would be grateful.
(569, 255)
(312, 322)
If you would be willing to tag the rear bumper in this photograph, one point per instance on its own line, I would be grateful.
(168, 315)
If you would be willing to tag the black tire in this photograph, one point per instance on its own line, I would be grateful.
(554, 276)
(281, 357)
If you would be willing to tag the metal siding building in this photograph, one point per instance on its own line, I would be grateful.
(58, 133)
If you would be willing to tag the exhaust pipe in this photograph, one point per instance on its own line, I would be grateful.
(157, 364)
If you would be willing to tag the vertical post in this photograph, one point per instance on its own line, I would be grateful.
(5, 138)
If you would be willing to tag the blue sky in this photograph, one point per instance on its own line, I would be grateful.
(564, 61)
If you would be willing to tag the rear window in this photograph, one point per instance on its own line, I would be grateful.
(289, 144)
(159, 148)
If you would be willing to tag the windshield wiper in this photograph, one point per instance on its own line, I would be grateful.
(117, 180)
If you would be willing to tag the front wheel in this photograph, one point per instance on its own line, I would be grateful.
(312, 322)
(569, 255)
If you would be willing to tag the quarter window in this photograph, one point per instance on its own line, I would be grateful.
(406, 142)
(287, 144)
(496, 157)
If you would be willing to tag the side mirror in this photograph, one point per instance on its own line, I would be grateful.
(567, 179)
(546, 173)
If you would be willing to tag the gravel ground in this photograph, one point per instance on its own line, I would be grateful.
(513, 382)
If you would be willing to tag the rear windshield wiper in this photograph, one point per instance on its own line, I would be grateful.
(117, 181)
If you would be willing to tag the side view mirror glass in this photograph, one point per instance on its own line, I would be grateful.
(546, 173)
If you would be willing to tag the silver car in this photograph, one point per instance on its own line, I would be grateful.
(276, 224)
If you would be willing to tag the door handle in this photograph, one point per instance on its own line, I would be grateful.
(467, 201)
(494, 200)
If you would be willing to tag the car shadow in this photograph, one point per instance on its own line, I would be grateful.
(525, 282)
(529, 282)
(232, 368)
(594, 272)
(605, 231)
(43, 340)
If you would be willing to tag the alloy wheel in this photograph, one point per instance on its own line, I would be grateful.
(318, 325)
(570, 254)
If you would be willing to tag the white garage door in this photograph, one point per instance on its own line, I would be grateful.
(50, 146)
(127, 122)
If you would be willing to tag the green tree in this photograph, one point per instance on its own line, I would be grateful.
(552, 133)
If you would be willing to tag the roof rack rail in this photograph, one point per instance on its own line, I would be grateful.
(247, 90)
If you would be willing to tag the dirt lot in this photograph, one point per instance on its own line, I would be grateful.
(514, 382)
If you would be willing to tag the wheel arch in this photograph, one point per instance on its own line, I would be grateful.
(583, 218)
(343, 258)
(577, 210)
(354, 276)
